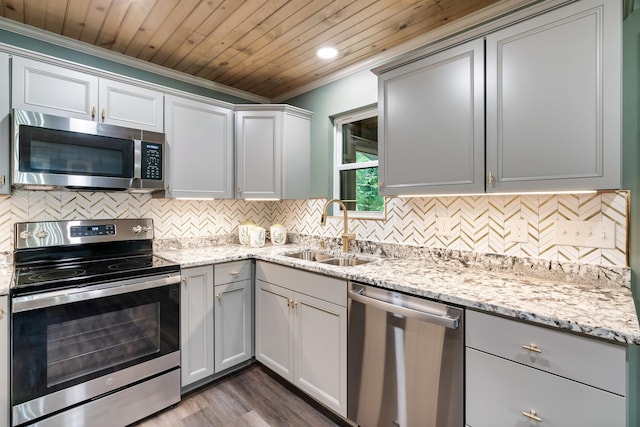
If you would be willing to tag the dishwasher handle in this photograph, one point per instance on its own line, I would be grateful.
(448, 320)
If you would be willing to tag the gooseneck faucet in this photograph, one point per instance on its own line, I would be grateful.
(346, 236)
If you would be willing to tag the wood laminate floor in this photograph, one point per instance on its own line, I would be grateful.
(250, 397)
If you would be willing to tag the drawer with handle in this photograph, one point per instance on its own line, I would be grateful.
(588, 360)
(504, 393)
(232, 272)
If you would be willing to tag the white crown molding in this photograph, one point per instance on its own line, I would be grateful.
(58, 40)
(474, 25)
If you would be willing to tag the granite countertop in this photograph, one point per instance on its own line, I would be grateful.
(606, 312)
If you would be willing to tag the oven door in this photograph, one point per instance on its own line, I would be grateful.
(72, 346)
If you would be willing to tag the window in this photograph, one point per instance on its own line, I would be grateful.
(356, 164)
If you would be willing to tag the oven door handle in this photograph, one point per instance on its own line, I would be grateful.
(66, 296)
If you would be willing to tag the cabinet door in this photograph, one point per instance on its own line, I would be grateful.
(200, 149)
(5, 125)
(45, 88)
(274, 331)
(553, 100)
(4, 360)
(320, 331)
(432, 124)
(233, 338)
(498, 391)
(259, 145)
(196, 324)
(128, 105)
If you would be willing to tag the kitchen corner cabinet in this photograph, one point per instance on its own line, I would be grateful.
(200, 149)
(52, 89)
(196, 324)
(301, 331)
(233, 314)
(5, 125)
(4, 361)
(553, 100)
(432, 124)
(521, 374)
(273, 159)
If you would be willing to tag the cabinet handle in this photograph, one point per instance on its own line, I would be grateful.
(291, 303)
(93, 113)
(3, 180)
(219, 297)
(532, 347)
(533, 415)
(235, 273)
(379, 184)
(104, 114)
(491, 178)
(239, 190)
(1, 313)
(184, 281)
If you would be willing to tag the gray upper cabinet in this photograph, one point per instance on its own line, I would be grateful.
(553, 101)
(200, 148)
(5, 125)
(273, 152)
(431, 126)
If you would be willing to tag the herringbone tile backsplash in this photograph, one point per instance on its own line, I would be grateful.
(479, 223)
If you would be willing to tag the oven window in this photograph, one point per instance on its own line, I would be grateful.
(80, 347)
(65, 345)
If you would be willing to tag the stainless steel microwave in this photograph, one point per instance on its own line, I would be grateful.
(59, 152)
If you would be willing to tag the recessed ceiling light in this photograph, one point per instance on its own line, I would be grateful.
(327, 52)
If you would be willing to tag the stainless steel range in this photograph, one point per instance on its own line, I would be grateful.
(95, 322)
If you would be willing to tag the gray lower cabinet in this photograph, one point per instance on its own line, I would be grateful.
(5, 402)
(301, 331)
(233, 310)
(196, 324)
(216, 323)
(521, 374)
(553, 100)
(431, 127)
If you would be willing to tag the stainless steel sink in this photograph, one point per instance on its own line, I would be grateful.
(328, 258)
(346, 262)
(311, 256)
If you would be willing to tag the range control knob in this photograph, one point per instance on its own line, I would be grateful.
(136, 229)
(25, 235)
(147, 229)
(42, 234)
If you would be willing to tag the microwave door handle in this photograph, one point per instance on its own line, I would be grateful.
(137, 159)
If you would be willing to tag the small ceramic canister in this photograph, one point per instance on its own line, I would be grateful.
(243, 231)
(278, 234)
(256, 236)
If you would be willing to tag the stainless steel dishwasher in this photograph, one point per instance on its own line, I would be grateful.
(405, 360)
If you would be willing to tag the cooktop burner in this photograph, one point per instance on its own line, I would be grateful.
(81, 273)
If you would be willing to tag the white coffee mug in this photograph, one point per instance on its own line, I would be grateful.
(256, 237)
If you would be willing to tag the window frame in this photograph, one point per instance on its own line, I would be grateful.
(339, 166)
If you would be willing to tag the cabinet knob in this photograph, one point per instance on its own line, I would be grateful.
(184, 281)
(1, 313)
(490, 178)
(93, 113)
(219, 297)
(104, 114)
(532, 347)
(532, 414)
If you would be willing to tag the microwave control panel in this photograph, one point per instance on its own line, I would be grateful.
(151, 161)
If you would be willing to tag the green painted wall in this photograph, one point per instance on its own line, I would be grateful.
(631, 180)
(349, 93)
(28, 43)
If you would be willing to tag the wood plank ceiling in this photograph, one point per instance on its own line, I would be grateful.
(265, 47)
